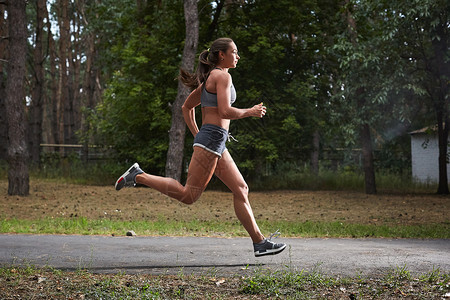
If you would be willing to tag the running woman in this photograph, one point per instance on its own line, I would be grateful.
(212, 89)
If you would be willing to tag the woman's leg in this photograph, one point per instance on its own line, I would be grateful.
(201, 169)
(228, 172)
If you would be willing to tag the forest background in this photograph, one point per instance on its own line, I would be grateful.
(344, 83)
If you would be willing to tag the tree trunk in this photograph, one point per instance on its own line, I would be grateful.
(366, 141)
(18, 178)
(367, 151)
(178, 128)
(215, 21)
(35, 134)
(75, 55)
(3, 52)
(65, 105)
(315, 153)
(441, 72)
(442, 138)
(3, 122)
(53, 100)
(89, 88)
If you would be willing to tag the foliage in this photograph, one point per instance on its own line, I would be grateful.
(387, 51)
(281, 65)
(299, 58)
(134, 117)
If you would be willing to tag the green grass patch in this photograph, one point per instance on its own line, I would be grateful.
(285, 282)
(85, 226)
(26, 282)
(299, 284)
(342, 229)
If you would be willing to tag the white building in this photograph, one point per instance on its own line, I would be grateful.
(425, 155)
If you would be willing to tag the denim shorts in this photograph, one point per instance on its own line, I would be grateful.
(211, 138)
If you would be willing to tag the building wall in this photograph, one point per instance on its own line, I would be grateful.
(424, 157)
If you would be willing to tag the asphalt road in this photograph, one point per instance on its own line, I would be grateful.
(222, 256)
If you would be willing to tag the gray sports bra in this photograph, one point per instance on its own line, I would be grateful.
(208, 99)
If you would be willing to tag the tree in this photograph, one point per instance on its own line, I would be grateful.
(178, 128)
(18, 177)
(92, 89)
(52, 102)
(364, 79)
(398, 52)
(65, 100)
(422, 32)
(3, 64)
(360, 94)
(413, 37)
(38, 89)
(143, 55)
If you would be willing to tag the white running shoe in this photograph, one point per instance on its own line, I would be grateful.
(128, 179)
(267, 247)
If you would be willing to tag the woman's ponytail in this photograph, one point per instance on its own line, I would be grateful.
(207, 60)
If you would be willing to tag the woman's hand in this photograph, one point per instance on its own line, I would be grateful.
(258, 110)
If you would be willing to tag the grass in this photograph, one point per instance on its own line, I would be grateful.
(341, 181)
(398, 282)
(85, 226)
(29, 282)
(288, 283)
(287, 176)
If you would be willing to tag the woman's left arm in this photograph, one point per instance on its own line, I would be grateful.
(188, 109)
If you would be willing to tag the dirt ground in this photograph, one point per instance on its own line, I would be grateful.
(56, 199)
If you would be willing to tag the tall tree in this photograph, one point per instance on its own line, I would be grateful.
(51, 119)
(215, 20)
(174, 161)
(75, 56)
(413, 37)
(18, 177)
(398, 52)
(38, 90)
(422, 30)
(3, 64)
(361, 100)
(364, 79)
(91, 90)
(65, 101)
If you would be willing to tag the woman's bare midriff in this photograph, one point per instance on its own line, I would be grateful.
(210, 115)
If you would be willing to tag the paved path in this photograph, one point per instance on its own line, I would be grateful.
(171, 255)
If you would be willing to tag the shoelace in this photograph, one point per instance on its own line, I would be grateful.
(275, 234)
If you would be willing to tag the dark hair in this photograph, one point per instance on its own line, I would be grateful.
(207, 60)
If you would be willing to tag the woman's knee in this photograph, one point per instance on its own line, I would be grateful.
(188, 200)
(241, 190)
(191, 195)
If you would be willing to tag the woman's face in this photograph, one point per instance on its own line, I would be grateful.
(231, 57)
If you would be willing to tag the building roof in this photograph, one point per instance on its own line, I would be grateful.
(427, 130)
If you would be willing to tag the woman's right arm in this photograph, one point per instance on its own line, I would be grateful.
(188, 109)
(226, 111)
